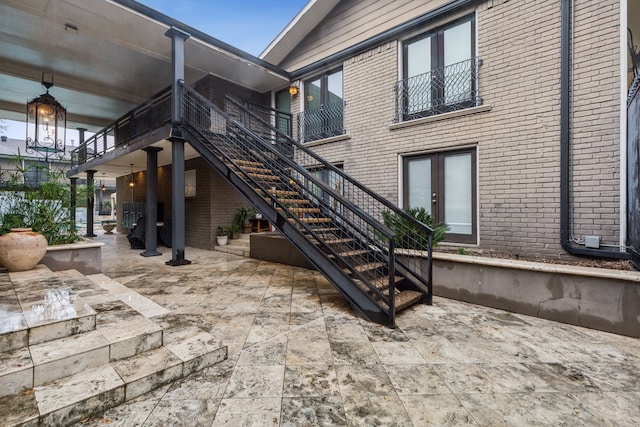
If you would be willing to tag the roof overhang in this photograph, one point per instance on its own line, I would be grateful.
(107, 56)
(299, 27)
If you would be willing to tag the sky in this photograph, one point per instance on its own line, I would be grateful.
(246, 24)
(249, 25)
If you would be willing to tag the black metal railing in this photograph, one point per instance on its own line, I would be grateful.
(268, 123)
(413, 239)
(438, 91)
(151, 114)
(345, 230)
(321, 122)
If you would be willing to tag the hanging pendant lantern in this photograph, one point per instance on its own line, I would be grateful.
(46, 124)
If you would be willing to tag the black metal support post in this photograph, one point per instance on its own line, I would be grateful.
(73, 202)
(90, 203)
(178, 38)
(151, 235)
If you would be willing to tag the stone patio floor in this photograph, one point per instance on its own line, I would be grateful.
(299, 356)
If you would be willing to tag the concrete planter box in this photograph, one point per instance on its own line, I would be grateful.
(84, 256)
(607, 300)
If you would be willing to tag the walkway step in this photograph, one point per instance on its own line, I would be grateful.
(240, 247)
(64, 380)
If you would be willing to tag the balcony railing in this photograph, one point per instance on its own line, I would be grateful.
(442, 90)
(150, 115)
(321, 122)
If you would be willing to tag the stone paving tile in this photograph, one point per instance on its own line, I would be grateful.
(299, 356)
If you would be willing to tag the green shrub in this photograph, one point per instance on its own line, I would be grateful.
(44, 208)
(409, 235)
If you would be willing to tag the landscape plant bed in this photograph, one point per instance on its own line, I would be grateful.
(606, 299)
(564, 258)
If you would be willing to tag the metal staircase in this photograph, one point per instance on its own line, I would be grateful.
(337, 223)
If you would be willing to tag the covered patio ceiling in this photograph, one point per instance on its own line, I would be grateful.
(107, 56)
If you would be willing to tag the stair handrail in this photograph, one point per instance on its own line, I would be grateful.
(372, 221)
(383, 201)
(382, 232)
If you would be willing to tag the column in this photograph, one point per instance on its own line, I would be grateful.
(151, 233)
(90, 202)
(178, 38)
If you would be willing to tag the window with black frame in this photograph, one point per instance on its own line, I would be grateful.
(440, 72)
(323, 115)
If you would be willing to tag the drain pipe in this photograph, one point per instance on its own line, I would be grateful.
(565, 81)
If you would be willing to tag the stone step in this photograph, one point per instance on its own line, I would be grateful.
(39, 364)
(68, 400)
(63, 379)
(37, 306)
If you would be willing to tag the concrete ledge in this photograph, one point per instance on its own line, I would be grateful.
(607, 300)
(84, 256)
(275, 248)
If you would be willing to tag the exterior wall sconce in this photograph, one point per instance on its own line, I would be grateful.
(293, 89)
(46, 123)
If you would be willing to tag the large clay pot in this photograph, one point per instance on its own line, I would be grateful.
(22, 249)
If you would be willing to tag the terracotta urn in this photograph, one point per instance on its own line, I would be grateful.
(22, 249)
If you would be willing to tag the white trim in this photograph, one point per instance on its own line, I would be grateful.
(623, 123)
(400, 180)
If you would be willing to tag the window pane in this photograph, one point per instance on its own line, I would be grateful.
(334, 87)
(419, 75)
(419, 185)
(457, 52)
(458, 193)
(312, 94)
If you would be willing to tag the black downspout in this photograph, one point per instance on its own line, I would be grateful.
(565, 70)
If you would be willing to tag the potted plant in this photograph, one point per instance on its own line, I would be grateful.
(234, 231)
(29, 209)
(222, 238)
(242, 218)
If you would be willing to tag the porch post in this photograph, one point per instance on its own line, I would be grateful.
(90, 203)
(178, 38)
(151, 234)
(73, 203)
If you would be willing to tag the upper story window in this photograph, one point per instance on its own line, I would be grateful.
(440, 72)
(323, 107)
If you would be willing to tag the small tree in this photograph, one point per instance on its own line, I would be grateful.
(43, 207)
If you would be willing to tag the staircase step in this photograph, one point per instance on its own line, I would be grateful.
(352, 253)
(133, 337)
(276, 193)
(67, 356)
(300, 210)
(73, 398)
(295, 201)
(407, 298)
(249, 163)
(368, 267)
(264, 177)
(383, 282)
(253, 169)
(41, 308)
(311, 220)
(16, 372)
(325, 230)
(338, 241)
